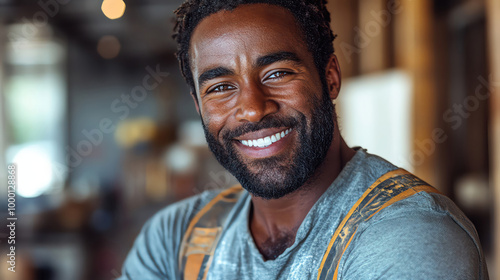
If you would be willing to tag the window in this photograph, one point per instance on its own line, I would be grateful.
(33, 108)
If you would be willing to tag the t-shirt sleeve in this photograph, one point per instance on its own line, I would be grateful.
(420, 243)
(156, 249)
(148, 258)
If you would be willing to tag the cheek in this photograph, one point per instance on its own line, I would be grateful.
(299, 98)
(218, 111)
(214, 119)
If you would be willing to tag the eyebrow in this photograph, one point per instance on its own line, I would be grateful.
(276, 57)
(212, 74)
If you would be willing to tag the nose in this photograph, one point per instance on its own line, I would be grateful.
(254, 104)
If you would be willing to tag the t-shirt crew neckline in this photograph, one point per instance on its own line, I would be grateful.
(311, 217)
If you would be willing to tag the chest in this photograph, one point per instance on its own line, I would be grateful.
(238, 257)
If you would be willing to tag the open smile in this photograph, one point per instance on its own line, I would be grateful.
(266, 141)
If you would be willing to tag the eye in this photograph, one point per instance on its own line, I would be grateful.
(220, 88)
(278, 75)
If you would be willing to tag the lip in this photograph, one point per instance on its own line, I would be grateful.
(269, 151)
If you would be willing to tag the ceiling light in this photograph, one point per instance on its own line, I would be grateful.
(113, 9)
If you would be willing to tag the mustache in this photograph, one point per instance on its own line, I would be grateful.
(267, 122)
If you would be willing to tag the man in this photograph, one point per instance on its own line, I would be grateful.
(263, 76)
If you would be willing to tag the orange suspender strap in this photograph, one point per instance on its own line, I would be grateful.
(389, 188)
(202, 235)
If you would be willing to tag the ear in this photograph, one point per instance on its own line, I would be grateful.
(333, 77)
(196, 102)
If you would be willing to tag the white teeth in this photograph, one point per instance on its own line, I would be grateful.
(266, 141)
(260, 142)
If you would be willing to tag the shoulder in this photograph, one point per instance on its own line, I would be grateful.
(369, 166)
(178, 215)
(361, 172)
(425, 234)
(156, 248)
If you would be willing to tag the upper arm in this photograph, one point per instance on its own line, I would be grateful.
(155, 252)
(150, 255)
(414, 245)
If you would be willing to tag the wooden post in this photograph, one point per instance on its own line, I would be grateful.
(373, 30)
(344, 19)
(414, 49)
(493, 25)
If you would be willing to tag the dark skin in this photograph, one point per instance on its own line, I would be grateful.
(248, 64)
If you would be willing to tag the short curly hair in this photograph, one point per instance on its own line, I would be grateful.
(311, 15)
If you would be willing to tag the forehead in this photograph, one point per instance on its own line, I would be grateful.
(249, 30)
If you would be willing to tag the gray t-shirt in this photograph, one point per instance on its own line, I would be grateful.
(422, 237)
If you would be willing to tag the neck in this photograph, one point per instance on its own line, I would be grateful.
(271, 219)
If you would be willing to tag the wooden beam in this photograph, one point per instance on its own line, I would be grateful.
(373, 31)
(493, 24)
(414, 53)
(344, 19)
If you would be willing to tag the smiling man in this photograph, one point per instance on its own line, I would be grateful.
(263, 75)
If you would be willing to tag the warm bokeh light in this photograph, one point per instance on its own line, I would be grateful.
(108, 47)
(132, 132)
(113, 9)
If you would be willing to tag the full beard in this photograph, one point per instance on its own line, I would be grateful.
(278, 176)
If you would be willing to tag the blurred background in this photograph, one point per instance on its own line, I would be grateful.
(103, 131)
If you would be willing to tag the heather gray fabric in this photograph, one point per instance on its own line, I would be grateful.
(422, 237)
